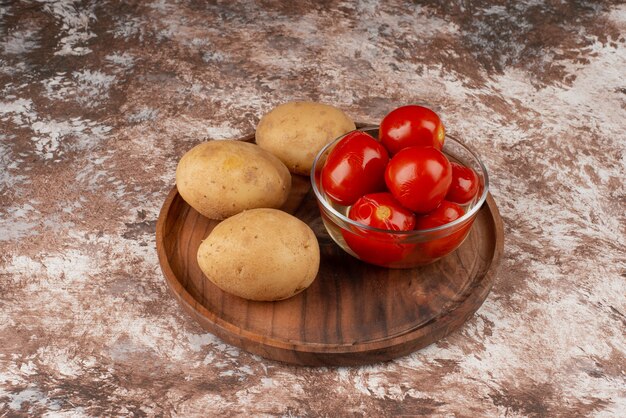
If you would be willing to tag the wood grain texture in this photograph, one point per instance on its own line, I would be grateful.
(353, 313)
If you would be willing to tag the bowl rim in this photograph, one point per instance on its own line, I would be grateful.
(414, 232)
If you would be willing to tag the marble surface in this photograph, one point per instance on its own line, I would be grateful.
(99, 99)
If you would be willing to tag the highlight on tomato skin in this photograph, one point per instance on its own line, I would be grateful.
(355, 167)
(382, 211)
(419, 178)
(409, 126)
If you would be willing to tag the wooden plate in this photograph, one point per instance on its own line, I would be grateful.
(353, 313)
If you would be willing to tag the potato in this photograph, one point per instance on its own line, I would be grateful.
(222, 178)
(295, 132)
(260, 254)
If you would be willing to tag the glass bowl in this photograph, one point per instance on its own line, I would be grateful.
(399, 249)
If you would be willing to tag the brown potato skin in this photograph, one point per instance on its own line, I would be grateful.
(260, 254)
(222, 178)
(296, 131)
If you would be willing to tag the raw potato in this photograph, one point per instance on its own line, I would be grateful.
(222, 178)
(260, 254)
(295, 132)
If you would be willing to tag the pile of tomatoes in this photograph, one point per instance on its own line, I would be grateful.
(401, 182)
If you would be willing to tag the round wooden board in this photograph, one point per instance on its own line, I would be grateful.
(353, 313)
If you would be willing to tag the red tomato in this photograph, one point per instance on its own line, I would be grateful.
(410, 126)
(419, 178)
(464, 184)
(445, 213)
(355, 167)
(379, 210)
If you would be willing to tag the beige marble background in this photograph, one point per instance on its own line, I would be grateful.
(99, 99)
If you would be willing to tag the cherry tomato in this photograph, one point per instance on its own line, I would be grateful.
(410, 126)
(445, 213)
(379, 210)
(419, 178)
(355, 167)
(464, 184)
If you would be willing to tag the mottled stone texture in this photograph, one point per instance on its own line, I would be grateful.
(99, 99)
